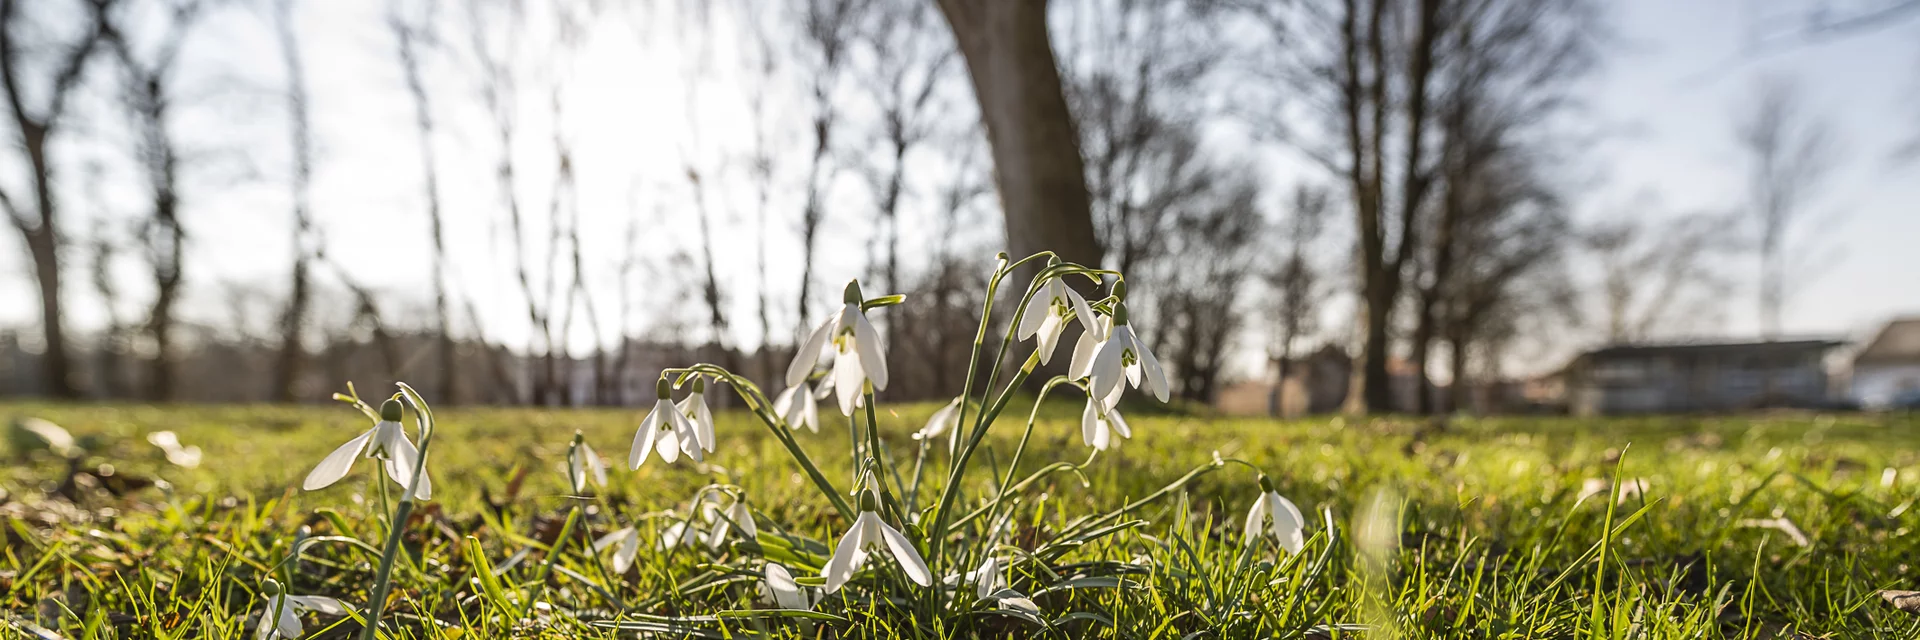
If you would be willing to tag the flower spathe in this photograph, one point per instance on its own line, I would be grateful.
(869, 532)
(628, 542)
(1276, 515)
(796, 407)
(1099, 424)
(779, 589)
(858, 355)
(942, 421)
(387, 441)
(666, 430)
(1046, 316)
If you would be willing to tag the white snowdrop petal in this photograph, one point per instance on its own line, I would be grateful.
(873, 355)
(644, 438)
(908, 557)
(335, 466)
(808, 354)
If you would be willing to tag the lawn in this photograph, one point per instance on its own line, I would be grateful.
(1767, 526)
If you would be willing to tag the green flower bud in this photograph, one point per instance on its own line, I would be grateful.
(663, 389)
(852, 293)
(271, 588)
(699, 384)
(390, 410)
(1120, 289)
(1120, 314)
(869, 501)
(1266, 484)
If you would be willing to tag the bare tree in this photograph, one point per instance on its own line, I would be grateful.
(1036, 150)
(149, 97)
(498, 94)
(409, 35)
(1654, 272)
(1215, 241)
(908, 62)
(761, 171)
(1791, 152)
(1296, 282)
(38, 220)
(827, 28)
(306, 241)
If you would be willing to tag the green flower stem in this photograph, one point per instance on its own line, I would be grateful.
(553, 555)
(951, 491)
(383, 577)
(1131, 507)
(1021, 450)
(762, 408)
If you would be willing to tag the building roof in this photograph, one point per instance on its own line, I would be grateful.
(1709, 348)
(1897, 343)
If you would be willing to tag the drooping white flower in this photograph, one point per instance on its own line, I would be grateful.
(169, 444)
(734, 516)
(796, 407)
(1276, 515)
(681, 533)
(942, 421)
(1099, 424)
(386, 441)
(1124, 356)
(694, 407)
(869, 533)
(584, 464)
(1088, 345)
(280, 620)
(628, 540)
(665, 429)
(987, 579)
(858, 355)
(779, 589)
(1046, 315)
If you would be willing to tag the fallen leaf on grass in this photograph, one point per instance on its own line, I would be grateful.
(1908, 601)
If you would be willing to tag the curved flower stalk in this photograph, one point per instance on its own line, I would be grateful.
(778, 589)
(666, 430)
(694, 407)
(627, 541)
(280, 620)
(796, 407)
(943, 421)
(858, 358)
(1124, 356)
(1047, 316)
(1099, 424)
(386, 441)
(1276, 515)
(870, 533)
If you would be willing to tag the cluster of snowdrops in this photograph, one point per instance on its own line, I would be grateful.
(843, 360)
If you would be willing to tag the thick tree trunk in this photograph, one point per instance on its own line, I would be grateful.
(1036, 151)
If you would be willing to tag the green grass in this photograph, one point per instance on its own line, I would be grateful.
(1481, 532)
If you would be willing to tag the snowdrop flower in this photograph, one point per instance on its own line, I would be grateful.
(665, 429)
(169, 444)
(281, 619)
(695, 408)
(1046, 315)
(1099, 423)
(736, 515)
(780, 590)
(869, 532)
(1274, 514)
(680, 534)
(796, 407)
(1088, 345)
(942, 421)
(858, 354)
(386, 441)
(584, 463)
(628, 540)
(1123, 354)
(986, 580)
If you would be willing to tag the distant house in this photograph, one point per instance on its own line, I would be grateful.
(1679, 378)
(1889, 368)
